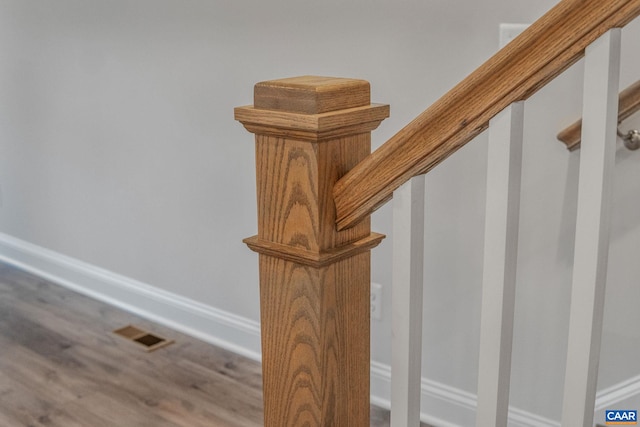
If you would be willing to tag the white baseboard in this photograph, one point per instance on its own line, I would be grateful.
(442, 405)
(618, 393)
(445, 406)
(453, 408)
(212, 325)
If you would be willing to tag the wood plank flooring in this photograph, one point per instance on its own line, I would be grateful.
(61, 366)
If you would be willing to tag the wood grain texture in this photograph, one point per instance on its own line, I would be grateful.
(61, 365)
(312, 127)
(316, 343)
(314, 279)
(311, 94)
(540, 53)
(295, 179)
(629, 104)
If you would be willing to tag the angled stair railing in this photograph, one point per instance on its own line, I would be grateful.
(541, 52)
(628, 105)
(317, 184)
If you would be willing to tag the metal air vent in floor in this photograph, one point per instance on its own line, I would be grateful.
(146, 339)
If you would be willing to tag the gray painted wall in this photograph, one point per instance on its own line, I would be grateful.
(118, 148)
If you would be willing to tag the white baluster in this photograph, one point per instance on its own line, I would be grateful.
(406, 341)
(500, 259)
(597, 160)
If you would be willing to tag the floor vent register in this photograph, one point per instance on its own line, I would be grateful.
(146, 339)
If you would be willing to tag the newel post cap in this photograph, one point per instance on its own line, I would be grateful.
(311, 94)
(312, 108)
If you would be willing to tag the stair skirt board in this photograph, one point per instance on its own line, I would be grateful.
(442, 405)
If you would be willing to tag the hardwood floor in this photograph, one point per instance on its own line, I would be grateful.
(61, 366)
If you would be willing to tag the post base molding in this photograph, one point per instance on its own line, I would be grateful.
(313, 259)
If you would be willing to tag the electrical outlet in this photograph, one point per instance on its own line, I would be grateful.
(509, 32)
(376, 301)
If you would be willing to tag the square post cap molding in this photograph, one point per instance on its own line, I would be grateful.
(312, 108)
(311, 94)
(314, 280)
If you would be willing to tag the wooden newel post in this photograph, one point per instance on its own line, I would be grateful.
(314, 280)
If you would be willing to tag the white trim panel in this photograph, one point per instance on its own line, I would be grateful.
(406, 302)
(504, 170)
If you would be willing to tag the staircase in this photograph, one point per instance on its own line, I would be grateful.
(318, 183)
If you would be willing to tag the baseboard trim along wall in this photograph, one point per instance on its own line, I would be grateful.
(445, 406)
(617, 393)
(442, 405)
(212, 325)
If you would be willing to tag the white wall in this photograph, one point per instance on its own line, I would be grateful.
(118, 148)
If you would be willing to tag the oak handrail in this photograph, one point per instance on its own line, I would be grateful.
(539, 54)
(629, 105)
